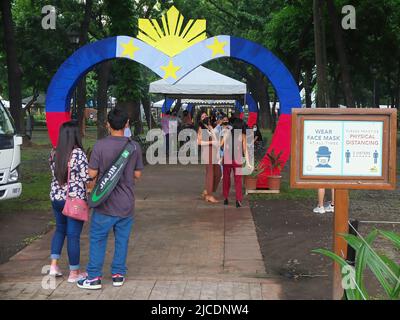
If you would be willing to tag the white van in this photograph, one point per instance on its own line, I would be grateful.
(10, 157)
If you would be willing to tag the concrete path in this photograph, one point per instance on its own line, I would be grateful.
(181, 248)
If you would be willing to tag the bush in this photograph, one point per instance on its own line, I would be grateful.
(386, 270)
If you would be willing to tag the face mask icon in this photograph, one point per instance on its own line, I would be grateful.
(323, 157)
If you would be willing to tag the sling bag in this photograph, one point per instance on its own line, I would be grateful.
(107, 182)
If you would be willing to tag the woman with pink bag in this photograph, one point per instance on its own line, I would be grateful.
(69, 168)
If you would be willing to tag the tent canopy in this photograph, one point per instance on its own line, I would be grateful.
(201, 83)
(41, 99)
(215, 103)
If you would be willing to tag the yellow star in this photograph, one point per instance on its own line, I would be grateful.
(129, 49)
(217, 47)
(170, 70)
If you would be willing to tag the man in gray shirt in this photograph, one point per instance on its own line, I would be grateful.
(117, 211)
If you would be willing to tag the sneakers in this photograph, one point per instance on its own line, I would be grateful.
(55, 271)
(329, 207)
(325, 209)
(118, 280)
(319, 210)
(76, 276)
(93, 284)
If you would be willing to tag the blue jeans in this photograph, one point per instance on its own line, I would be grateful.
(100, 227)
(70, 228)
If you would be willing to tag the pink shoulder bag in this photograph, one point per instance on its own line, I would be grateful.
(75, 208)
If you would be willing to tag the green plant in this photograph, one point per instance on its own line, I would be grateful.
(258, 169)
(39, 117)
(275, 161)
(386, 270)
(30, 240)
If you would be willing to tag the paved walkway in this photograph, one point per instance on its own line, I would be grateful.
(182, 248)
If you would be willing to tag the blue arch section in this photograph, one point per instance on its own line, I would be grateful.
(68, 75)
(168, 102)
(280, 77)
(251, 103)
(238, 106)
(84, 59)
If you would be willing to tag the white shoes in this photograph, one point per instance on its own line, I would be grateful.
(325, 209)
(319, 210)
(329, 207)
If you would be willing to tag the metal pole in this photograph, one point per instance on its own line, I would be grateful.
(341, 218)
(351, 253)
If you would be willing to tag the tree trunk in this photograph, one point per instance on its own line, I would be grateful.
(147, 111)
(341, 52)
(327, 89)
(397, 88)
(81, 105)
(321, 100)
(377, 97)
(335, 90)
(303, 43)
(307, 87)
(13, 70)
(81, 93)
(262, 96)
(274, 114)
(103, 73)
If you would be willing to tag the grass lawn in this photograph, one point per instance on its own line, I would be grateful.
(35, 173)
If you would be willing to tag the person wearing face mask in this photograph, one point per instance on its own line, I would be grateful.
(207, 138)
(234, 149)
(257, 135)
(223, 127)
(258, 142)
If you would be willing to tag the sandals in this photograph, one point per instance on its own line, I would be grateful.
(211, 199)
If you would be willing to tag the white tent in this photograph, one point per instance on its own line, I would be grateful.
(202, 83)
(41, 99)
(5, 103)
(159, 104)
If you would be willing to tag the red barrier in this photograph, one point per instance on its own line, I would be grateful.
(54, 121)
(280, 141)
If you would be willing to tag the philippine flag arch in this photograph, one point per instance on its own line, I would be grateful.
(172, 49)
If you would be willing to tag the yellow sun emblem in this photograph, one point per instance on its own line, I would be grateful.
(171, 39)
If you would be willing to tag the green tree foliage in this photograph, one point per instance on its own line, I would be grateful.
(41, 52)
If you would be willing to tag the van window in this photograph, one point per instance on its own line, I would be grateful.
(6, 124)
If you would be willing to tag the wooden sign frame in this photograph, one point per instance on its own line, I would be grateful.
(386, 181)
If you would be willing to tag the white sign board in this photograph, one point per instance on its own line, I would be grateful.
(342, 148)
